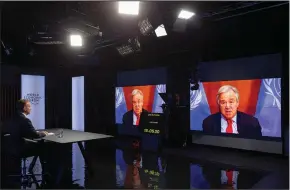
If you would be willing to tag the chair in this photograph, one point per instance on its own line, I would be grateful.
(27, 178)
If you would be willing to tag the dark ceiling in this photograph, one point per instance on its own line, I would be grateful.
(219, 30)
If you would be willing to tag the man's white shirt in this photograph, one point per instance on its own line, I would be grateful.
(224, 125)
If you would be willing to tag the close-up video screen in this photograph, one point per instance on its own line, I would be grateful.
(244, 108)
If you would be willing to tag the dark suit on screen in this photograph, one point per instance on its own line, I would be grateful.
(247, 125)
(128, 117)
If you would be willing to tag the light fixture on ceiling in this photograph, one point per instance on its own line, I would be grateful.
(133, 45)
(76, 40)
(160, 31)
(129, 7)
(125, 50)
(185, 14)
(145, 27)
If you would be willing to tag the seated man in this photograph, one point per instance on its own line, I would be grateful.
(20, 127)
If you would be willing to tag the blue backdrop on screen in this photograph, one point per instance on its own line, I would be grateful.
(266, 70)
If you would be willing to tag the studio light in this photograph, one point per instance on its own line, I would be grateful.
(76, 40)
(185, 14)
(125, 50)
(134, 42)
(145, 27)
(133, 45)
(129, 7)
(160, 31)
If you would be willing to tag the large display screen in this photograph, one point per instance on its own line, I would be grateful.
(133, 101)
(244, 108)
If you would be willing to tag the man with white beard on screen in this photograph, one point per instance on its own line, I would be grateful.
(229, 120)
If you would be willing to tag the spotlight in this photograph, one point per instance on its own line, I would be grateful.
(125, 50)
(76, 40)
(185, 14)
(145, 27)
(134, 42)
(160, 31)
(133, 45)
(129, 7)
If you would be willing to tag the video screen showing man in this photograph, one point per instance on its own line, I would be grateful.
(137, 109)
(258, 105)
(132, 103)
(229, 120)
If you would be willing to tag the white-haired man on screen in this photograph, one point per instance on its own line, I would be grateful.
(137, 104)
(229, 120)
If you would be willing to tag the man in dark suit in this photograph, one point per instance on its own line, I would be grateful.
(14, 146)
(229, 120)
(133, 116)
(20, 127)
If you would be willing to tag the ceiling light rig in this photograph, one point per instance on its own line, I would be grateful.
(132, 46)
(160, 31)
(76, 40)
(129, 7)
(185, 14)
(147, 29)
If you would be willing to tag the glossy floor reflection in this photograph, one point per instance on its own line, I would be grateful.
(124, 165)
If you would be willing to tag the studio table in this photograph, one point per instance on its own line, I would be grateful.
(66, 136)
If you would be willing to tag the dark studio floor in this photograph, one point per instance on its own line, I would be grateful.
(121, 164)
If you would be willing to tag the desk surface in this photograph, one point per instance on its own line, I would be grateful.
(71, 136)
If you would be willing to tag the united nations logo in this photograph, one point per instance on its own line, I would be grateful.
(195, 98)
(33, 98)
(273, 88)
(119, 97)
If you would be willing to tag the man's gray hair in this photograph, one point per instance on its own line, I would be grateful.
(227, 88)
(136, 91)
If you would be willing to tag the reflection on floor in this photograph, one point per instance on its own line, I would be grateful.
(125, 165)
